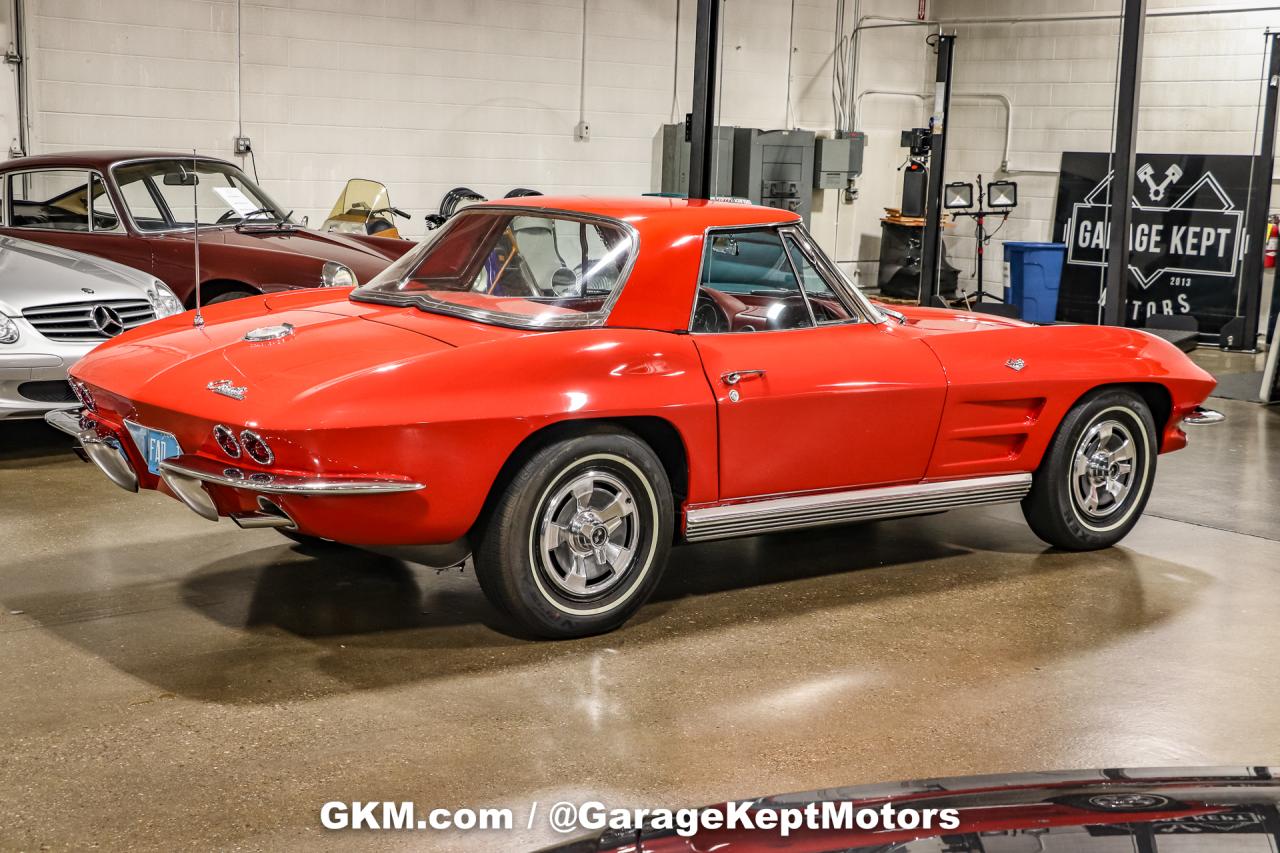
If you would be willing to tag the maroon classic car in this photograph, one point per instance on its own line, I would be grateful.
(138, 209)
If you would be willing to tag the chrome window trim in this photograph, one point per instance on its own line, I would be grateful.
(114, 186)
(598, 319)
(838, 282)
(90, 173)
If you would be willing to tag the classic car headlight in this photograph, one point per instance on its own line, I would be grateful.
(8, 330)
(334, 274)
(163, 300)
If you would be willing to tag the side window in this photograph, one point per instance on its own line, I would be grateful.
(55, 199)
(826, 304)
(104, 212)
(748, 285)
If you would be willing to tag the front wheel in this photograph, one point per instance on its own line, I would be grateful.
(578, 539)
(1096, 475)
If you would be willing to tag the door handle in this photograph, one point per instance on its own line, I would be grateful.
(733, 377)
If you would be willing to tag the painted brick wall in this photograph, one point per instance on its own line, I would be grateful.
(1199, 95)
(421, 94)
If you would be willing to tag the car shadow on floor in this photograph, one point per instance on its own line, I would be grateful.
(288, 623)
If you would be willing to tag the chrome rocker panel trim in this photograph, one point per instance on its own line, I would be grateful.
(793, 513)
(1201, 416)
(205, 470)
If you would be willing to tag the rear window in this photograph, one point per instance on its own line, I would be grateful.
(533, 269)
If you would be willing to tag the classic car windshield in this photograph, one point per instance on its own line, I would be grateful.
(163, 194)
(535, 269)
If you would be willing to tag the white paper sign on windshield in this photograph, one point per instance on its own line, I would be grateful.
(236, 200)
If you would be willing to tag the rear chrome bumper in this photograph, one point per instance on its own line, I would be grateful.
(1203, 417)
(105, 452)
(211, 471)
(189, 474)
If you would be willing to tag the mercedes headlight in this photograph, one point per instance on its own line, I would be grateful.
(8, 331)
(334, 274)
(163, 300)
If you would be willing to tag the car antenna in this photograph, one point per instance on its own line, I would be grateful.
(195, 234)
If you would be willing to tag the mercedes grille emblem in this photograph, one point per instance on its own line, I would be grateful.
(106, 320)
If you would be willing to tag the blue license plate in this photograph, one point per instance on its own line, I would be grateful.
(154, 445)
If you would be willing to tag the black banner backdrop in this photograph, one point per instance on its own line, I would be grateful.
(1185, 243)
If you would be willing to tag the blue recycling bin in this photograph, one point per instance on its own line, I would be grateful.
(1033, 272)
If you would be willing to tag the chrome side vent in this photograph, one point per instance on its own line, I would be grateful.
(793, 513)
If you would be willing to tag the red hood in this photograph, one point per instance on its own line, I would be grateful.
(310, 378)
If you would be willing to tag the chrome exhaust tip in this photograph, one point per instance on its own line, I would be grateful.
(110, 459)
(191, 492)
(271, 516)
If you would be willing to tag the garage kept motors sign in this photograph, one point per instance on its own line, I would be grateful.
(1185, 242)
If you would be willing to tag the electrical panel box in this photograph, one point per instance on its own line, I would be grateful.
(672, 159)
(837, 161)
(775, 168)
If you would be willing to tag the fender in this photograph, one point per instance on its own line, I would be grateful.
(1010, 387)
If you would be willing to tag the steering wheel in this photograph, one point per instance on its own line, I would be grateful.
(708, 317)
(790, 314)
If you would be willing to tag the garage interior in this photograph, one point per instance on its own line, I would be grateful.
(173, 683)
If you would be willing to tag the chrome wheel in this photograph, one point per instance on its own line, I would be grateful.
(1102, 468)
(1129, 802)
(588, 533)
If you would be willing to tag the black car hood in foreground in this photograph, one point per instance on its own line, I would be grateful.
(1172, 810)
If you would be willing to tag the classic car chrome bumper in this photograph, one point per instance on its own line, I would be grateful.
(1203, 417)
(103, 451)
(187, 475)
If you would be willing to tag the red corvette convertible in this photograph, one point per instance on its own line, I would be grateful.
(565, 387)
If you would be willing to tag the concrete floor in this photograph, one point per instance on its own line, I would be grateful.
(168, 683)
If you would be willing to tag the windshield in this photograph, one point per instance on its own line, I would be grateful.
(534, 270)
(163, 194)
(360, 198)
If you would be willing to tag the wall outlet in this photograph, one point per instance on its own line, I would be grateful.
(582, 132)
(243, 146)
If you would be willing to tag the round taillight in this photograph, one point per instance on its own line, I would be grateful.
(227, 441)
(256, 448)
(82, 394)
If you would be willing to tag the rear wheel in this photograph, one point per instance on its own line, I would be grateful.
(1096, 475)
(578, 539)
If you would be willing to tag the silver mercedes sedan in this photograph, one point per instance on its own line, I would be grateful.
(55, 306)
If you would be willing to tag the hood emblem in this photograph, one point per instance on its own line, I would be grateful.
(106, 320)
(1015, 364)
(269, 333)
(226, 389)
(86, 290)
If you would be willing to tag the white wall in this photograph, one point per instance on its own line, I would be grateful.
(1199, 95)
(8, 85)
(421, 94)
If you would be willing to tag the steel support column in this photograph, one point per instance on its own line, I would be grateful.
(931, 241)
(1123, 151)
(1255, 226)
(702, 118)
